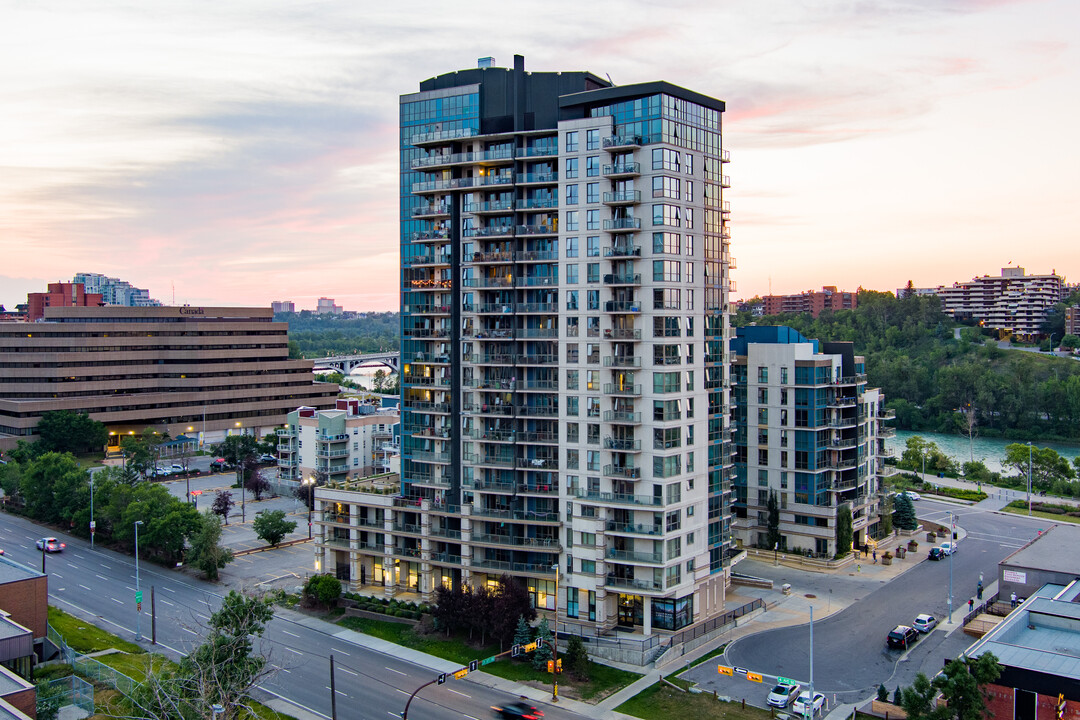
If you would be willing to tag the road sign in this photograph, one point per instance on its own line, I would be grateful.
(442, 678)
(489, 660)
(516, 650)
(785, 681)
(196, 493)
(539, 642)
(93, 525)
(461, 673)
(473, 665)
(138, 596)
(725, 670)
(741, 671)
(753, 676)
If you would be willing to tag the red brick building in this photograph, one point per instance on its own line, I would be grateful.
(811, 301)
(61, 295)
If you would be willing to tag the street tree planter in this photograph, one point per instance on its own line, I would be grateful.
(886, 559)
(930, 537)
(912, 546)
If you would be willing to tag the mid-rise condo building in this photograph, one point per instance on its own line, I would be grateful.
(1014, 303)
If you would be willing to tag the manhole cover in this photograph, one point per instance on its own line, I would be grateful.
(809, 595)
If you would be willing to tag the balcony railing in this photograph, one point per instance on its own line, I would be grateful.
(633, 528)
(622, 224)
(623, 141)
(621, 444)
(623, 279)
(622, 334)
(624, 169)
(622, 361)
(622, 306)
(623, 472)
(621, 389)
(637, 557)
(530, 515)
(620, 416)
(625, 197)
(531, 568)
(623, 251)
(619, 498)
(622, 582)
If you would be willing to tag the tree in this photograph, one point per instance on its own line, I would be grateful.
(378, 381)
(509, 600)
(772, 508)
(141, 451)
(916, 448)
(542, 654)
(882, 693)
(843, 530)
(206, 552)
(523, 632)
(67, 431)
(257, 484)
(323, 589)
(54, 487)
(50, 698)
(961, 684)
(1047, 467)
(967, 423)
(1070, 342)
(239, 451)
(223, 670)
(898, 695)
(904, 516)
(272, 526)
(886, 527)
(306, 493)
(223, 505)
(577, 658)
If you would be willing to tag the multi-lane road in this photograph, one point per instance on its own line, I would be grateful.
(99, 585)
(850, 655)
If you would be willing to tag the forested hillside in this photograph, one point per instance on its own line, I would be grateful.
(313, 336)
(928, 376)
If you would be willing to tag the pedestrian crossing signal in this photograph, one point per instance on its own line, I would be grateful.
(551, 666)
(558, 665)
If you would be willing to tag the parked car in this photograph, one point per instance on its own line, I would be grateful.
(935, 553)
(782, 695)
(218, 465)
(268, 458)
(948, 548)
(50, 545)
(903, 636)
(912, 495)
(177, 468)
(801, 703)
(517, 710)
(162, 472)
(924, 623)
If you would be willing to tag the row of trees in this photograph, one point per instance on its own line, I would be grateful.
(962, 686)
(314, 336)
(933, 380)
(490, 612)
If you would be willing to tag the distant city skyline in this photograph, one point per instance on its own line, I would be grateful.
(248, 152)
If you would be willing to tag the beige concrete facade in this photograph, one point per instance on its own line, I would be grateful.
(184, 369)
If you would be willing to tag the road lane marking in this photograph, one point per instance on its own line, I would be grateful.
(349, 671)
(459, 693)
(471, 717)
(189, 630)
(202, 617)
(86, 588)
(338, 650)
(56, 574)
(168, 603)
(294, 651)
(117, 601)
(393, 670)
(102, 577)
(401, 691)
(166, 587)
(289, 633)
(107, 567)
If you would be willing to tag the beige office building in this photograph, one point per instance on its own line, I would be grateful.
(202, 370)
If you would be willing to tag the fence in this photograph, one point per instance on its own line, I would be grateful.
(89, 667)
(719, 621)
(74, 691)
(986, 605)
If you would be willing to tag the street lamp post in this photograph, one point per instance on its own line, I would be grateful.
(923, 453)
(808, 708)
(952, 546)
(93, 525)
(138, 593)
(555, 644)
(310, 482)
(1029, 479)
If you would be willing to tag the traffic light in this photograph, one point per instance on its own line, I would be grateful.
(551, 666)
(1061, 706)
(558, 665)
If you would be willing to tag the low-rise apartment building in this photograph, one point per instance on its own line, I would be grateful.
(811, 301)
(808, 431)
(351, 440)
(188, 370)
(61, 295)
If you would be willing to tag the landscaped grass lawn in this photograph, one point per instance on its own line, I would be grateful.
(604, 680)
(1043, 515)
(660, 702)
(84, 637)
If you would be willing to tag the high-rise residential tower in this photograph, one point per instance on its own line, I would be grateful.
(564, 378)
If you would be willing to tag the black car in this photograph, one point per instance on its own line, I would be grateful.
(935, 553)
(517, 710)
(903, 636)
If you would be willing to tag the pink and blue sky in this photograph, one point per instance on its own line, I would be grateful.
(235, 153)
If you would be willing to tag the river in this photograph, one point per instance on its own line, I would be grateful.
(990, 450)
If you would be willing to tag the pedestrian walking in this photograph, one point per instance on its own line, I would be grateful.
(971, 604)
(875, 556)
(1012, 600)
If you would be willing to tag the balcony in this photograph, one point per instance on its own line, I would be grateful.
(622, 361)
(625, 197)
(537, 178)
(537, 359)
(621, 170)
(521, 515)
(523, 568)
(538, 437)
(621, 389)
(537, 256)
(445, 558)
(635, 557)
(633, 528)
(469, 158)
(619, 498)
(286, 432)
(537, 204)
(506, 461)
(725, 181)
(325, 453)
(622, 472)
(430, 210)
(632, 584)
(481, 208)
(426, 381)
(439, 136)
(428, 456)
(445, 532)
(538, 463)
(841, 464)
(886, 432)
(622, 306)
(490, 231)
(622, 224)
(541, 150)
(622, 444)
(843, 444)
(549, 544)
(537, 410)
(623, 251)
(536, 230)
(842, 402)
(616, 143)
(622, 417)
(623, 279)
(439, 234)
(622, 334)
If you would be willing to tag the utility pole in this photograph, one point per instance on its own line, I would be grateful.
(1029, 478)
(952, 546)
(138, 592)
(153, 618)
(93, 525)
(808, 708)
(555, 644)
(333, 691)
